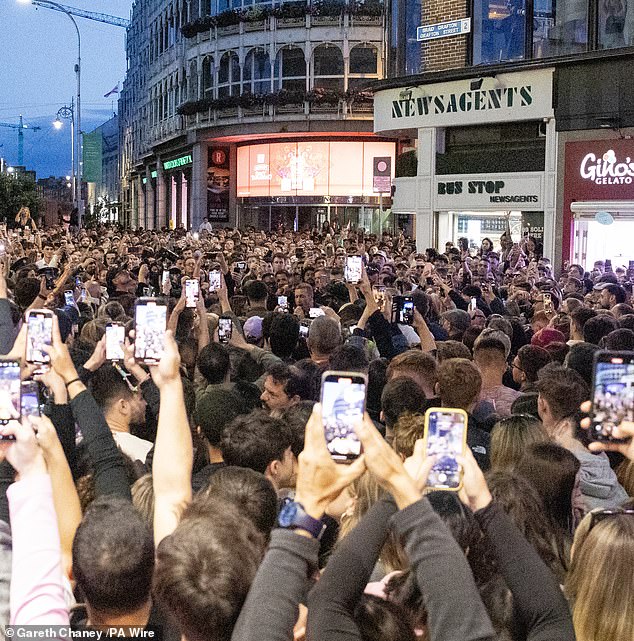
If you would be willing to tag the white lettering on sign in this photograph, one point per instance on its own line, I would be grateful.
(606, 170)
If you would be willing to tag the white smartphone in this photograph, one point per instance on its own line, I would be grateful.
(353, 269)
(214, 280)
(39, 333)
(115, 339)
(445, 438)
(342, 404)
(150, 323)
(192, 292)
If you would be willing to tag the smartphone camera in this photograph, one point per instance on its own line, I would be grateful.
(9, 394)
(445, 438)
(612, 394)
(343, 404)
(225, 330)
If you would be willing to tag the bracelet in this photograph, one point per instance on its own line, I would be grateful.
(75, 380)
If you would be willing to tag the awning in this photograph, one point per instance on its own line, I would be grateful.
(618, 209)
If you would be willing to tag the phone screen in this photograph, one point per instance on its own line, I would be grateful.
(406, 315)
(9, 392)
(473, 304)
(192, 291)
(445, 438)
(282, 302)
(548, 301)
(612, 393)
(39, 333)
(150, 324)
(214, 281)
(166, 277)
(69, 298)
(225, 330)
(115, 338)
(303, 330)
(379, 297)
(30, 399)
(354, 266)
(342, 404)
(314, 312)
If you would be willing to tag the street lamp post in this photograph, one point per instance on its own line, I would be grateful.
(68, 113)
(78, 155)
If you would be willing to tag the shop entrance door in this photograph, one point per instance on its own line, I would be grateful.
(594, 241)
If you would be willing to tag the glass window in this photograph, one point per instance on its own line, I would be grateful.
(616, 24)
(257, 72)
(499, 31)
(328, 67)
(229, 75)
(193, 81)
(363, 59)
(290, 69)
(208, 77)
(559, 28)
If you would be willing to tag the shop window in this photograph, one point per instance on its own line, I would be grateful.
(290, 69)
(208, 77)
(193, 80)
(616, 24)
(224, 5)
(229, 75)
(363, 65)
(328, 67)
(499, 30)
(559, 28)
(257, 72)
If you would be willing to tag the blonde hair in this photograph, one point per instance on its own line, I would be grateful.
(511, 437)
(143, 497)
(407, 430)
(600, 583)
(366, 492)
(625, 474)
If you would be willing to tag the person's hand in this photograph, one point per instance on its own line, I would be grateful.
(385, 465)
(238, 340)
(168, 369)
(319, 479)
(475, 491)
(60, 356)
(24, 453)
(418, 321)
(55, 384)
(46, 436)
(44, 290)
(220, 257)
(98, 357)
(624, 430)
(419, 465)
(330, 312)
(364, 284)
(299, 312)
(182, 301)
(3, 280)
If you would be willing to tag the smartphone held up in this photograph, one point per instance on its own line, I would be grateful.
(150, 323)
(445, 438)
(39, 336)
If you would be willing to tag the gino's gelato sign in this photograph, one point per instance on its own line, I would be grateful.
(606, 169)
(478, 100)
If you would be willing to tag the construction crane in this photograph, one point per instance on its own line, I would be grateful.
(89, 15)
(21, 127)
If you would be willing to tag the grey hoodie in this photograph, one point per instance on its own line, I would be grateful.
(597, 481)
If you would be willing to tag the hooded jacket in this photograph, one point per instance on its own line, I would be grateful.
(597, 481)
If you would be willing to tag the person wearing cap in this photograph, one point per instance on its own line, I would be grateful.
(611, 295)
(253, 330)
(546, 336)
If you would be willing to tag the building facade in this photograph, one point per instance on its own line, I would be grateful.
(252, 114)
(523, 122)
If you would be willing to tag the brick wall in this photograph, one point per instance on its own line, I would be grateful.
(444, 53)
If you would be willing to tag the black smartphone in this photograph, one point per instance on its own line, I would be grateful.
(241, 266)
(150, 323)
(403, 310)
(282, 303)
(39, 333)
(115, 340)
(9, 394)
(69, 298)
(30, 398)
(192, 292)
(225, 330)
(49, 274)
(612, 393)
(353, 269)
(342, 404)
(304, 327)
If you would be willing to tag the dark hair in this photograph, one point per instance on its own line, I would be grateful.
(580, 358)
(107, 385)
(378, 619)
(296, 417)
(532, 358)
(113, 556)
(401, 395)
(348, 358)
(26, 291)
(627, 321)
(297, 381)
(255, 440)
(492, 346)
(598, 327)
(564, 391)
(452, 349)
(620, 295)
(579, 317)
(421, 302)
(215, 408)
(558, 351)
(250, 491)
(213, 363)
(283, 334)
(620, 340)
(204, 570)
(255, 290)
(473, 291)
(377, 379)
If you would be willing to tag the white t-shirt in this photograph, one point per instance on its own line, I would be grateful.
(132, 446)
(410, 334)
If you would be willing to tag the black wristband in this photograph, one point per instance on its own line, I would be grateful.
(75, 380)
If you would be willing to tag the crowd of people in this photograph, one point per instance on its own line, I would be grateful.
(197, 497)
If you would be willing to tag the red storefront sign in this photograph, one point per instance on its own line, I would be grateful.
(598, 170)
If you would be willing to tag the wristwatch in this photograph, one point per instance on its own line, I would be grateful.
(293, 516)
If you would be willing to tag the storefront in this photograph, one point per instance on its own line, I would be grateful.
(301, 184)
(177, 174)
(486, 150)
(598, 202)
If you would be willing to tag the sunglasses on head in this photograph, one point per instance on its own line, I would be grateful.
(602, 515)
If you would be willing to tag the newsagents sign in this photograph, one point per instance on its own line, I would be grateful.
(504, 98)
(489, 192)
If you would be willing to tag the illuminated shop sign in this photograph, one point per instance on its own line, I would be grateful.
(311, 169)
(605, 170)
(154, 174)
(178, 162)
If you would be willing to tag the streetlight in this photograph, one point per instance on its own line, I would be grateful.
(49, 4)
(68, 113)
